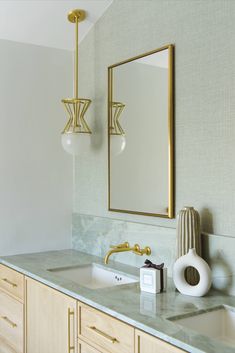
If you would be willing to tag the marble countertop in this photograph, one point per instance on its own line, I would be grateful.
(148, 312)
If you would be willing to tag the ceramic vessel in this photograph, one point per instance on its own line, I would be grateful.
(188, 236)
(195, 261)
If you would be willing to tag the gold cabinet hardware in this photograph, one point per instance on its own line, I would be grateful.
(70, 314)
(11, 323)
(103, 334)
(9, 282)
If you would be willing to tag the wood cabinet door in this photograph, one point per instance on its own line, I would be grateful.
(145, 343)
(50, 320)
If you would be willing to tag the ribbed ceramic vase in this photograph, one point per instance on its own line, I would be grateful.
(188, 237)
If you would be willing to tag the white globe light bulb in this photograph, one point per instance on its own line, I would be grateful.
(75, 143)
(118, 144)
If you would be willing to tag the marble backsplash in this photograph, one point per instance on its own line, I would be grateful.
(94, 235)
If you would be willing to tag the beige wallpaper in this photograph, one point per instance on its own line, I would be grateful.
(204, 37)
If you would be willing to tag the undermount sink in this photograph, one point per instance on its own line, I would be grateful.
(94, 276)
(218, 323)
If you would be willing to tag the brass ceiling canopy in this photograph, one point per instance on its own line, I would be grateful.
(78, 15)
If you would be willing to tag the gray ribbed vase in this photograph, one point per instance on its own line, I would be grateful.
(188, 237)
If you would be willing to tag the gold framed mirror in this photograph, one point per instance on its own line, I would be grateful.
(141, 134)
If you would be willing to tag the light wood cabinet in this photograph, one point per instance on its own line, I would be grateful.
(11, 321)
(104, 331)
(11, 311)
(86, 348)
(5, 347)
(35, 318)
(50, 320)
(12, 282)
(145, 343)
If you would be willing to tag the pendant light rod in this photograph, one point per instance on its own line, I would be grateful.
(76, 16)
(76, 61)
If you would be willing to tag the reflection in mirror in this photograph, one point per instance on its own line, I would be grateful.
(141, 134)
(118, 141)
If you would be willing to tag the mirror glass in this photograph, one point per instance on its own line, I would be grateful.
(141, 134)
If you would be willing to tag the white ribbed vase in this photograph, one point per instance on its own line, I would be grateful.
(188, 237)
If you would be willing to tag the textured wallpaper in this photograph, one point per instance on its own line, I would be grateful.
(203, 34)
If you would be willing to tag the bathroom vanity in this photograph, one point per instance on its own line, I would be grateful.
(43, 310)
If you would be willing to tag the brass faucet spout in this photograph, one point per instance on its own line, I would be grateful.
(113, 251)
(126, 247)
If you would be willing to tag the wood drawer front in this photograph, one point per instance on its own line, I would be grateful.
(145, 343)
(11, 321)
(5, 348)
(12, 282)
(85, 348)
(105, 331)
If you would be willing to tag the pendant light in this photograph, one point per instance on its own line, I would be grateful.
(117, 134)
(74, 137)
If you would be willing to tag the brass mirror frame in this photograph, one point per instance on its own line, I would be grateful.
(171, 208)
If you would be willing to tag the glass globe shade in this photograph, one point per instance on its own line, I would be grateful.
(75, 143)
(117, 144)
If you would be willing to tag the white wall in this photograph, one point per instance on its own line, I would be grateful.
(35, 173)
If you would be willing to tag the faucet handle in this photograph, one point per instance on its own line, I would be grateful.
(138, 251)
(147, 250)
(120, 246)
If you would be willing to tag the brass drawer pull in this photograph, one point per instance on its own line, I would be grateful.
(11, 323)
(70, 313)
(9, 282)
(103, 334)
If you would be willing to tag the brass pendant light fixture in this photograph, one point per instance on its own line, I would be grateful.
(115, 127)
(117, 134)
(74, 135)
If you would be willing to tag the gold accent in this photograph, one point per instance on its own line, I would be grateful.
(76, 107)
(126, 247)
(115, 127)
(77, 14)
(170, 208)
(141, 252)
(11, 323)
(103, 334)
(9, 282)
(120, 246)
(138, 344)
(70, 313)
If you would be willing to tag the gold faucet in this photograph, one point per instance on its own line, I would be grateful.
(126, 247)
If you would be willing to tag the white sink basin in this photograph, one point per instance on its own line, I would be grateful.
(94, 276)
(219, 323)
